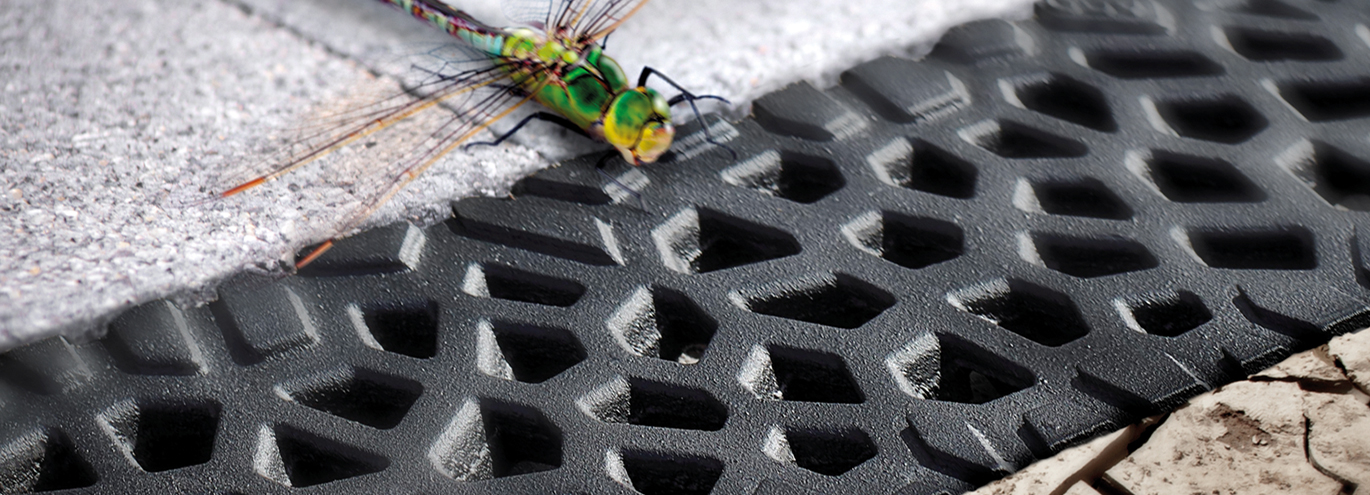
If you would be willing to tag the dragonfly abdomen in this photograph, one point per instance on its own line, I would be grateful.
(455, 23)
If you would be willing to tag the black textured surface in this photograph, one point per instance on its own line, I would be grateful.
(916, 281)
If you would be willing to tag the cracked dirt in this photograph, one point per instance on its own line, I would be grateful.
(1298, 427)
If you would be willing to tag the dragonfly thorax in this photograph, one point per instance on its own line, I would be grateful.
(580, 82)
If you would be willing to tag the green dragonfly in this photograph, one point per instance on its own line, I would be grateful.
(553, 57)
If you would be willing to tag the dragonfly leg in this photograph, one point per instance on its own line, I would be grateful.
(686, 95)
(599, 167)
(543, 116)
(681, 97)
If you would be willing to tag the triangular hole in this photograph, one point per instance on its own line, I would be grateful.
(699, 240)
(306, 459)
(43, 461)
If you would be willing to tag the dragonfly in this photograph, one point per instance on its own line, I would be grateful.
(553, 56)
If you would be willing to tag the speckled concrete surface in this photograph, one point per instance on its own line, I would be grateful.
(115, 116)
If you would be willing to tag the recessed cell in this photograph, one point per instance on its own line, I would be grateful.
(489, 439)
(647, 403)
(1087, 257)
(1132, 64)
(503, 282)
(1080, 198)
(1196, 179)
(1017, 141)
(1034, 312)
(1069, 100)
(368, 397)
(797, 177)
(910, 242)
(922, 166)
(1275, 248)
(1226, 119)
(791, 374)
(836, 300)
(1331, 100)
(662, 323)
(950, 369)
(699, 240)
(163, 435)
(525, 353)
(1341, 178)
(43, 461)
(830, 452)
(402, 327)
(664, 473)
(1270, 8)
(1168, 314)
(1274, 46)
(297, 458)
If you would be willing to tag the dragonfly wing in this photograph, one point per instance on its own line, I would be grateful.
(442, 74)
(424, 139)
(535, 13)
(578, 20)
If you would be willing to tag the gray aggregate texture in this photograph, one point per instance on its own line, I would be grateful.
(117, 119)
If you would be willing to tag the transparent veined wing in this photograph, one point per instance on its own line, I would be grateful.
(533, 13)
(432, 77)
(578, 20)
(457, 96)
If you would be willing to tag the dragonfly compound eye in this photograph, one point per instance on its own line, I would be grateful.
(660, 106)
(655, 140)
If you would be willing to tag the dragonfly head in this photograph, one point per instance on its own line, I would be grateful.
(638, 124)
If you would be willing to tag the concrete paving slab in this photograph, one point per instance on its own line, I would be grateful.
(1298, 427)
(1249, 431)
(115, 117)
(1352, 352)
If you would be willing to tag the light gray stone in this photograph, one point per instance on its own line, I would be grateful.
(1339, 436)
(1246, 438)
(1314, 366)
(1352, 352)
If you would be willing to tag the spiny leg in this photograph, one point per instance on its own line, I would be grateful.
(543, 116)
(599, 167)
(675, 100)
(686, 95)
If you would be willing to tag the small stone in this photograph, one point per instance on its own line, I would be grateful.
(1339, 425)
(1312, 366)
(1247, 438)
(1352, 351)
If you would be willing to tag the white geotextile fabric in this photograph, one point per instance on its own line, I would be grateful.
(113, 113)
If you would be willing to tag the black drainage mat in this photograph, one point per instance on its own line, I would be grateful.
(917, 281)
